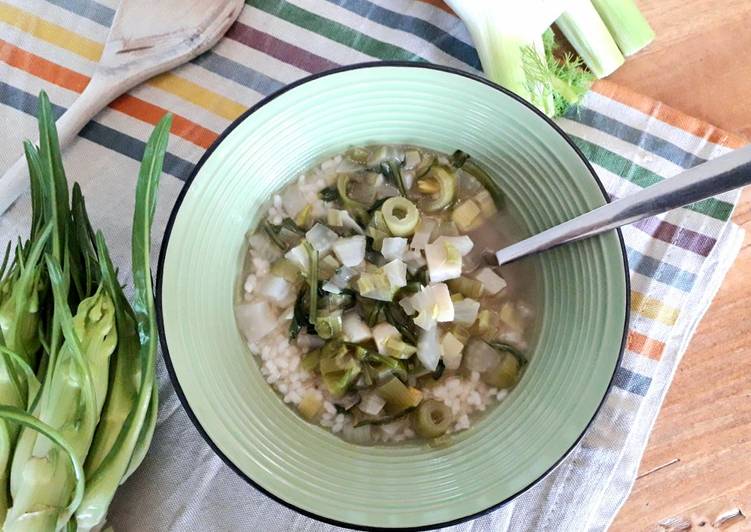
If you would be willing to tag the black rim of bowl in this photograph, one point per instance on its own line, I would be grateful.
(176, 209)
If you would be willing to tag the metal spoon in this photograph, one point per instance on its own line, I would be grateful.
(719, 175)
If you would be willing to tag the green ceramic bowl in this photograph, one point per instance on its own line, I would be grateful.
(582, 291)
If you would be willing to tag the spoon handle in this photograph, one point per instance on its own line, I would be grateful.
(15, 181)
(727, 172)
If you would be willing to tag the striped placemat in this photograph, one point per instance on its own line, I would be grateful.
(677, 260)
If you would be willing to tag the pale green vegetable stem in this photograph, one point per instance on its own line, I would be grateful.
(626, 23)
(130, 446)
(71, 401)
(22, 418)
(587, 33)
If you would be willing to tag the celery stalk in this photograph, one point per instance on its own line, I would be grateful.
(587, 33)
(626, 23)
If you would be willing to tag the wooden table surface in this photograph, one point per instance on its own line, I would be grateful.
(697, 468)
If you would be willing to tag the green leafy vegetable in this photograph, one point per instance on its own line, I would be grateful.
(392, 171)
(329, 194)
(312, 281)
(566, 80)
(396, 316)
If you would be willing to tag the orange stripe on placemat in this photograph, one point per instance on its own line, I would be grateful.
(129, 105)
(669, 115)
(439, 4)
(644, 345)
(151, 114)
(42, 68)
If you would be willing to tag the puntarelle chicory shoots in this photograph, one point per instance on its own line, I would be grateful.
(77, 383)
(369, 303)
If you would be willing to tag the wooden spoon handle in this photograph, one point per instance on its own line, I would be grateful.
(93, 99)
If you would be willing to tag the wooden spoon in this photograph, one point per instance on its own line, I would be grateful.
(147, 38)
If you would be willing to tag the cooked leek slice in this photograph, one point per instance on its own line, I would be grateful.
(401, 216)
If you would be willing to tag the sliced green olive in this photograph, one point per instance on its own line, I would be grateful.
(432, 419)
(504, 374)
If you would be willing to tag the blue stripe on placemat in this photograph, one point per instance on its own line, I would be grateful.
(660, 271)
(637, 137)
(96, 132)
(238, 73)
(416, 26)
(630, 381)
(89, 9)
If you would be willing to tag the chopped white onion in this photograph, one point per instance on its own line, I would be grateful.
(331, 288)
(384, 153)
(381, 333)
(299, 257)
(339, 280)
(463, 244)
(256, 320)
(492, 282)
(465, 311)
(451, 351)
(372, 404)
(406, 304)
(262, 245)
(444, 261)
(411, 159)
(274, 288)
(321, 238)
(433, 304)
(422, 234)
(337, 218)
(350, 251)
(396, 271)
(414, 260)
(408, 178)
(428, 348)
(386, 190)
(354, 329)
(394, 247)
(480, 356)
